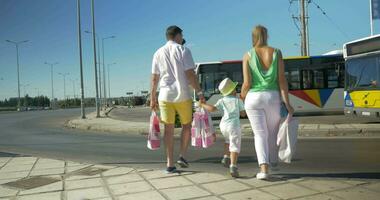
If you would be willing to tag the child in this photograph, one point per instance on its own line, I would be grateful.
(232, 108)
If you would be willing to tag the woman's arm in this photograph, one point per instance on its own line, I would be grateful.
(283, 83)
(246, 77)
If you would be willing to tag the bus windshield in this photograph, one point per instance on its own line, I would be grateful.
(210, 75)
(363, 73)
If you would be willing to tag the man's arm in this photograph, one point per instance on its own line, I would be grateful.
(153, 91)
(193, 80)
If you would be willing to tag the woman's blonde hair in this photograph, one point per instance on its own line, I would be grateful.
(259, 36)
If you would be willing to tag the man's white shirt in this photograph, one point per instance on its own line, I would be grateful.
(170, 62)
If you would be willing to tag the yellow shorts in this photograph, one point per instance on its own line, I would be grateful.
(169, 109)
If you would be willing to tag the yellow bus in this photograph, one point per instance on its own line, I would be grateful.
(362, 77)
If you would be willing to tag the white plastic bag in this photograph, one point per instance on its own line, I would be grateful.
(153, 142)
(287, 139)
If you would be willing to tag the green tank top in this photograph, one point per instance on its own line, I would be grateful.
(263, 81)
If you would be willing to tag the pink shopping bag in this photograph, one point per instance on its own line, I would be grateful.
(207, 130)
(154, 141)
(196, 128)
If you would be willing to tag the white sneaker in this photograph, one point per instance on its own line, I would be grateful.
(262, 176)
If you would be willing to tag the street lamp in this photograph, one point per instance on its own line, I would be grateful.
(97, 63)
(96, 74)
(109, 82)
(18, 70)
(64, 83)
(52, 83)
(82, 103)
(104, 68)
(73, 81)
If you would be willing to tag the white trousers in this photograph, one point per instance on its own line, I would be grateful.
(263, 111)
(232, 136)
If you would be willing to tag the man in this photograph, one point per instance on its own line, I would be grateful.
(173, 68)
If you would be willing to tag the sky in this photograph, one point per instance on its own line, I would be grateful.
(215, 30)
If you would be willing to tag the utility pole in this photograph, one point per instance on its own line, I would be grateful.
(18, 71)
(83, 114)
(304, 28)
(52, 83)
(96, 72)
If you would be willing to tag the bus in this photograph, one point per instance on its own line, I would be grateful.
(316, 83)
(362, 85)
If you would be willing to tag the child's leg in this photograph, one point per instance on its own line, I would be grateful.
(235, 144)
(226, 149)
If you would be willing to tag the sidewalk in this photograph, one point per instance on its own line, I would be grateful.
(107, 124)
(31, 178)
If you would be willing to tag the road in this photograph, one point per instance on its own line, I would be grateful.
(138, 114)
(41, 133)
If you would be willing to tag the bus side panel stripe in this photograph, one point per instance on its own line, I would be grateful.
(325, 95)
(314, 94)
(304, 96)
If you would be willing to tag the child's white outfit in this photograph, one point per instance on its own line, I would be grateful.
(230, 123)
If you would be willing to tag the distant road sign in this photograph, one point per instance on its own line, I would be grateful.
(144, 92)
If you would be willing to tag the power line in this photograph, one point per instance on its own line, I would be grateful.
(329, 18)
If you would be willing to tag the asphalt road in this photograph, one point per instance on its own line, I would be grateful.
(139, 114)
(41, 133)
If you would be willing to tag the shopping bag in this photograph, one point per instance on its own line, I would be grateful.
(154, 141)
(287, 139)
(208, 129)
(196, 129)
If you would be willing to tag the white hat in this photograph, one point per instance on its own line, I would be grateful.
(227, 86)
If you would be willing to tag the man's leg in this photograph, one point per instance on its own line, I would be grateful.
(169, 144)
(185, 139)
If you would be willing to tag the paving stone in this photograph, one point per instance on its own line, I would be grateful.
(16, 168)
(319, 197)
(22, 161)
(150, 195)
(117, 171)
(79, 177)
(324, 185)
(356, 193)
(251, 195)
(6, 192)
(176, 181)
(2, 181)
(260, 183)
(76, 167)
(208, 198)
(205, 177)
(124, 178)
(226, 186)
(89, 193)
(288, 190)
(373, 186)
(157, 174)
(72, 164)
(133, 187)
(104, 166)
(44, 165)
(187, 192)
(57, 186)
(355, 182)
(83, 183)
(43, 196)
(54, 171)
(14, 175)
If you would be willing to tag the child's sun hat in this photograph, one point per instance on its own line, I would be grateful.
(227, 86)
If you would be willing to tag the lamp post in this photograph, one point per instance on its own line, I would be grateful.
(109, 82)
(64, 83)
(18, 70)
(83, 114)
(73, 81)
(104, 70)
(52, 83)
(96, 73)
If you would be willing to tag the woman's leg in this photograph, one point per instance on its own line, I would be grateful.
(259, 126)
(273, 121)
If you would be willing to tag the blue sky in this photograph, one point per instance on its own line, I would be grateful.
(214, 29)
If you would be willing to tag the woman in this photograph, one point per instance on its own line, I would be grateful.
(264, 82)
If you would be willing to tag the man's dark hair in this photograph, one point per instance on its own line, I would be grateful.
(172, 31)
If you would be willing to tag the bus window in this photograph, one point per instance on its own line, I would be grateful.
(307, 79)
(293, 80)
(363, 73)
(237, 77)
(332, 78)
(208, 84)
(318, 79)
